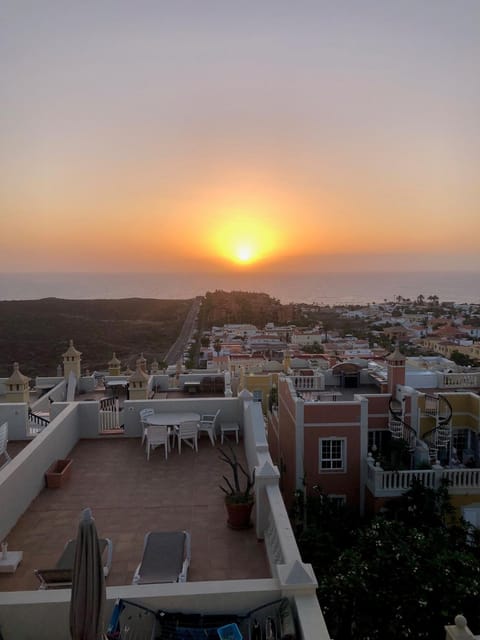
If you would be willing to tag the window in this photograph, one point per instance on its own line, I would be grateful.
(257, 395)
(332, 454)
(337, 501)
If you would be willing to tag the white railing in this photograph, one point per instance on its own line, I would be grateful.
(36, 424)
(453, 380)
(431, 406)
(308, 383)
(110, 415)
(401, 431)
(321, 396)
(460, 479)
(279, 538)
(393, 483)
(296, 578)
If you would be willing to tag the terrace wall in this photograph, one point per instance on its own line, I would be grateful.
(230, 410)
(44, 614)
(48, 611)
(15, 413)
(22, 479)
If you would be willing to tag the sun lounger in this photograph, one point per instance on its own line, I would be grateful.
(166, 558)
(61, 575)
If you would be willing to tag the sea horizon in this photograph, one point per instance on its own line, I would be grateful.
(324, 288)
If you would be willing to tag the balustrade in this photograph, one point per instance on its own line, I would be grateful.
(460, 380)
(109, 415)
(392, 483)
(308, 383)
(36, 424)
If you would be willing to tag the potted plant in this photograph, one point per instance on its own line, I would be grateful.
(239, 496)
(58, 473)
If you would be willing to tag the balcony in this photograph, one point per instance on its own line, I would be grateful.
(389, 484)
(459, 380)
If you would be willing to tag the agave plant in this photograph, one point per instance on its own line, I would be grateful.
(236, 491)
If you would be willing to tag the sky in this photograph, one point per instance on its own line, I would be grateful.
(226, 135)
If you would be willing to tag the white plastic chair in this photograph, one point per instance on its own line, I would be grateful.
(187, 432)
(3, 444)
(144, 413)
(208, 423)
(157, 436)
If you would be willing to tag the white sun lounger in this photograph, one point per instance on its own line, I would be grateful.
(166, 558)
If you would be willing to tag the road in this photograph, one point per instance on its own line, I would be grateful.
(175, 353)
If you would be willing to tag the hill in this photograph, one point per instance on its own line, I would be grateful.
(222, 307)
(35, 333)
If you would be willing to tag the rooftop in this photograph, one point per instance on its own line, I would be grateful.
(130, 496)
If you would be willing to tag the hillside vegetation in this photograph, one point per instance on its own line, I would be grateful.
(35, 333)
(222, 307)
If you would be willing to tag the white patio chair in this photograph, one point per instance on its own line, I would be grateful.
(208, 423)
(187, 432)
(157, 436)
(144, 413)
(3, 444)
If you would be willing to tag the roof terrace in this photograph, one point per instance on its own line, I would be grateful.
(130, 496)
(230, 571)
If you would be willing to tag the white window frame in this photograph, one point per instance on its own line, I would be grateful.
(332, 459)
(339, 499)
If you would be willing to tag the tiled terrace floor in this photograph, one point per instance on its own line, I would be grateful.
(130, 496)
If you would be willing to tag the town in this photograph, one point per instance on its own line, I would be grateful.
(358, 402)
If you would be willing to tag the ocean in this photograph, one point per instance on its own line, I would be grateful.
(322, 288)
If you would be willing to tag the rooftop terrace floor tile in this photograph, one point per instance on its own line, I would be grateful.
(130, 496)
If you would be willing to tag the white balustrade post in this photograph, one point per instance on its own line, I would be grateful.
(266, 475)
(378, 471)
(459, 630)
(438, 470)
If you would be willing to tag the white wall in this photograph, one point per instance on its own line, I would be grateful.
(15, 413)
(230, 410)
(44, 615)
(421, 379)
(57, 394)
(22, 479)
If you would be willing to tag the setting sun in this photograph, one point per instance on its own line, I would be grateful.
(245, 240)
(244, 253)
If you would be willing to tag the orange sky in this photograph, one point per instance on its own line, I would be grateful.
(169, 140)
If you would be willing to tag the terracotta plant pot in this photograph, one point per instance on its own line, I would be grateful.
(239, 514)
(58, 473)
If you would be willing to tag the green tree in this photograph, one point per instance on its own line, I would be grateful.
(402, 575)
(315, 347)
(462, 359)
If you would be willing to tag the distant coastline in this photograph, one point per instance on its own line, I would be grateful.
(322, 288)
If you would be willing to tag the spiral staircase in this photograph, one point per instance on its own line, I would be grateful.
(437, 409)
(397, 426)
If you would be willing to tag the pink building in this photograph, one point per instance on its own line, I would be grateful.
(364, 440)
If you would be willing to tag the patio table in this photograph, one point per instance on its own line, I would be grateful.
(172, 418)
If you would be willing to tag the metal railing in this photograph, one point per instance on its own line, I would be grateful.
(36, 424)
